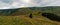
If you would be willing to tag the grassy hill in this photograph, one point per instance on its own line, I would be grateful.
(22, 16)
(50, 9)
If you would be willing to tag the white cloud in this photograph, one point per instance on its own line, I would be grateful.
(10, 4)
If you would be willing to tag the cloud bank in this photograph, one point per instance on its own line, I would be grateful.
(12, 4)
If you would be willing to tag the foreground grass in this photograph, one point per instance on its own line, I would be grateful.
(23, 20)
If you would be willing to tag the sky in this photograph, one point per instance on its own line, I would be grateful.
(12, 4)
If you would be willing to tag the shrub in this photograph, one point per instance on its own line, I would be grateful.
(51, 16)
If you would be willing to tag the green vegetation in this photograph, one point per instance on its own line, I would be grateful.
(22, 20)
(22, 17)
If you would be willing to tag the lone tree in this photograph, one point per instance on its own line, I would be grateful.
(30, 15)
(51, 16)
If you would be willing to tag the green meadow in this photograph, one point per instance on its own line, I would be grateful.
(22, 17)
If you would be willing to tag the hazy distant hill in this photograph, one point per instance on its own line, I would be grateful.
(22, 11)
(8, 11)
(49, 9)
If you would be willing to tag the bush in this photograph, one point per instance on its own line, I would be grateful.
(51, 16)
(30, 16)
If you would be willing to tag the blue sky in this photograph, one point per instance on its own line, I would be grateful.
(10, 4)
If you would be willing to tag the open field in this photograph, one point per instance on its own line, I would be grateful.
(21, 20)
(22, 17)
(25, 20)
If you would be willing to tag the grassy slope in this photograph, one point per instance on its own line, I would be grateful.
(23, 18)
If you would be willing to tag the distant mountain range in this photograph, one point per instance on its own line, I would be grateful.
(22, 11)
(49, 9)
